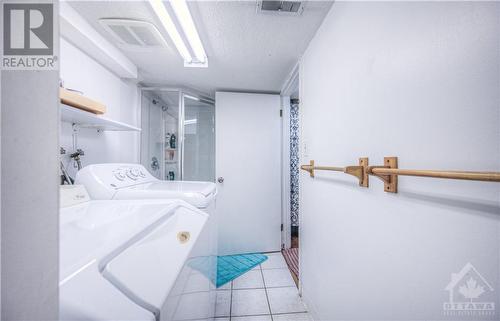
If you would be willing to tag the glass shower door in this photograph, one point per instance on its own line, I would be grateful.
(151, 135)
(159, 122)
(171, 159)
(198, 146)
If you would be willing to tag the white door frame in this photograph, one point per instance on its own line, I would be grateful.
(289, 88)
(286, 239)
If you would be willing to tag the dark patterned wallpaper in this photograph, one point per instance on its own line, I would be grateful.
(294, 164)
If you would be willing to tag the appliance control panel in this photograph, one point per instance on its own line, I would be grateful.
(132, 174)
(110, 177)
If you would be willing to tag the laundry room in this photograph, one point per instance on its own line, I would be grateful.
(251, 160)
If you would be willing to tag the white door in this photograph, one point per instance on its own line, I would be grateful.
(248, 167)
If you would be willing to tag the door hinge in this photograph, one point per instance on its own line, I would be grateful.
(281, 227)
(281, 112)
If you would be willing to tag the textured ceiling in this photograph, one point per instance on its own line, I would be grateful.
(247, 51)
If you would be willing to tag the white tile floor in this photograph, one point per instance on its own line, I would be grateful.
(266, 293)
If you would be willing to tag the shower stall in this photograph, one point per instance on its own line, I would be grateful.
(178, 134)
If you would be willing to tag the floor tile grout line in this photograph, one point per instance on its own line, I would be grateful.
(281, 313)
(268, 287)
(265, 290)
(264, 314)
(231, 301)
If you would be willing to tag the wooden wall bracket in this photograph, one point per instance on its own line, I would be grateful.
(390, 181)
(356, 171)
(359, 171)
(309, 168)
(364, 181)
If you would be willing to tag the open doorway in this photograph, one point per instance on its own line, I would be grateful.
(291, 167)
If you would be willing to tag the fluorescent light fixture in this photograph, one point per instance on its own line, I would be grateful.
(168, 24)
(190, 121)
(186, 20)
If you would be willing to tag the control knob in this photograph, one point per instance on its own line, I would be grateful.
(131, 174)
(119, 176)
(135, 172)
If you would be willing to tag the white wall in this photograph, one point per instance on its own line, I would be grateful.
(29, 194)
(419, 81)
(121, 97)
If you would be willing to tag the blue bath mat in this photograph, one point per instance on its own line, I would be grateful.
(229, 267)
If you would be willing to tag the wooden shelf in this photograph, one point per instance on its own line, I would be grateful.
(85, 119)
(77, 100)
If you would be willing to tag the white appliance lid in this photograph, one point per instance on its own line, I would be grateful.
(198, 194)
(91, 230)
(158, 258)
(89, 296)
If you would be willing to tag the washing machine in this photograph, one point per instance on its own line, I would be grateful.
(132, 181)
(132, 260)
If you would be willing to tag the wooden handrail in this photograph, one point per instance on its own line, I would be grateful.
(389, 173)
(312, 168)
(465, 175)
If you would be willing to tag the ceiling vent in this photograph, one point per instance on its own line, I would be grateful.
(134, 34)
(280, 7)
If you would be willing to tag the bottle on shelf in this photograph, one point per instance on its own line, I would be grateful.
(172, 141)
(167, 140)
